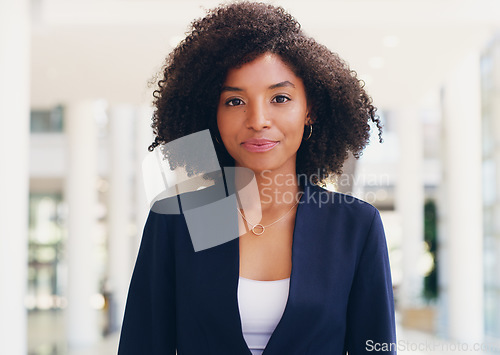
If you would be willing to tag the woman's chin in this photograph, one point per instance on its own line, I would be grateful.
(263, 167)
(256, 167)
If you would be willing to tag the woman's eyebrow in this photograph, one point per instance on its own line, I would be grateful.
(282, 84)
(230, 88)
(285, 83)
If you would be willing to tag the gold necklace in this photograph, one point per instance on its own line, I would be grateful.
(259, 229)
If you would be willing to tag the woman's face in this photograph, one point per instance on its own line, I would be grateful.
(261, 114)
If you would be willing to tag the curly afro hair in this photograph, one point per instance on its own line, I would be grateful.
(230, 35)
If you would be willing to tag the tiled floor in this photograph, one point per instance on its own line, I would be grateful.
(419, 343)
(46, 336)
(108, 346)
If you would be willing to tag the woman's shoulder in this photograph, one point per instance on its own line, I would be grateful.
(321, 195)
(165, 215)
(338, 202)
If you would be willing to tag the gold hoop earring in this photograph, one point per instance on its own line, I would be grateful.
(310, 132)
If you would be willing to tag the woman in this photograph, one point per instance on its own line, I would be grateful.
(309, 273)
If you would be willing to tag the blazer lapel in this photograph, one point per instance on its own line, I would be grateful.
(217, 284)
(289, 333)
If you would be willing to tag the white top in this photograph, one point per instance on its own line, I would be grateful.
(261, 305)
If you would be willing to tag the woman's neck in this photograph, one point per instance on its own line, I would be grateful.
(272, 191)
(277, 190)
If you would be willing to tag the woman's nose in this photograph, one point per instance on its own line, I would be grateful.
(257, 117)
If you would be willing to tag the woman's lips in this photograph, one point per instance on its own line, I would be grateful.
(259, 145)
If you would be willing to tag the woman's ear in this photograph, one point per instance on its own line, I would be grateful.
(308, 121)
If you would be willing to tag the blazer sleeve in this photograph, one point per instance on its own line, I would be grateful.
(149, 320)
(370, 311)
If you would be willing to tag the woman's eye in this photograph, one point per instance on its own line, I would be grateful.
(281, 99)
(234, 102)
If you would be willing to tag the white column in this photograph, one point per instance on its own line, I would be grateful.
(410, 203)
(121, 236)
(81, 197)
(143, 138)
(14, 172)
(462, 184)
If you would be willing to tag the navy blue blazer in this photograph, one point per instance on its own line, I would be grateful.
(340, 299)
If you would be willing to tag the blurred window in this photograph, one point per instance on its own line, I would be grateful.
(44, 253)
(47, 121)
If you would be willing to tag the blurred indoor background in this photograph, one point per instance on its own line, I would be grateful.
(74, 129)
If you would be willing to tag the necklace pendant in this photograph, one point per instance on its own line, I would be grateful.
(258, 229)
